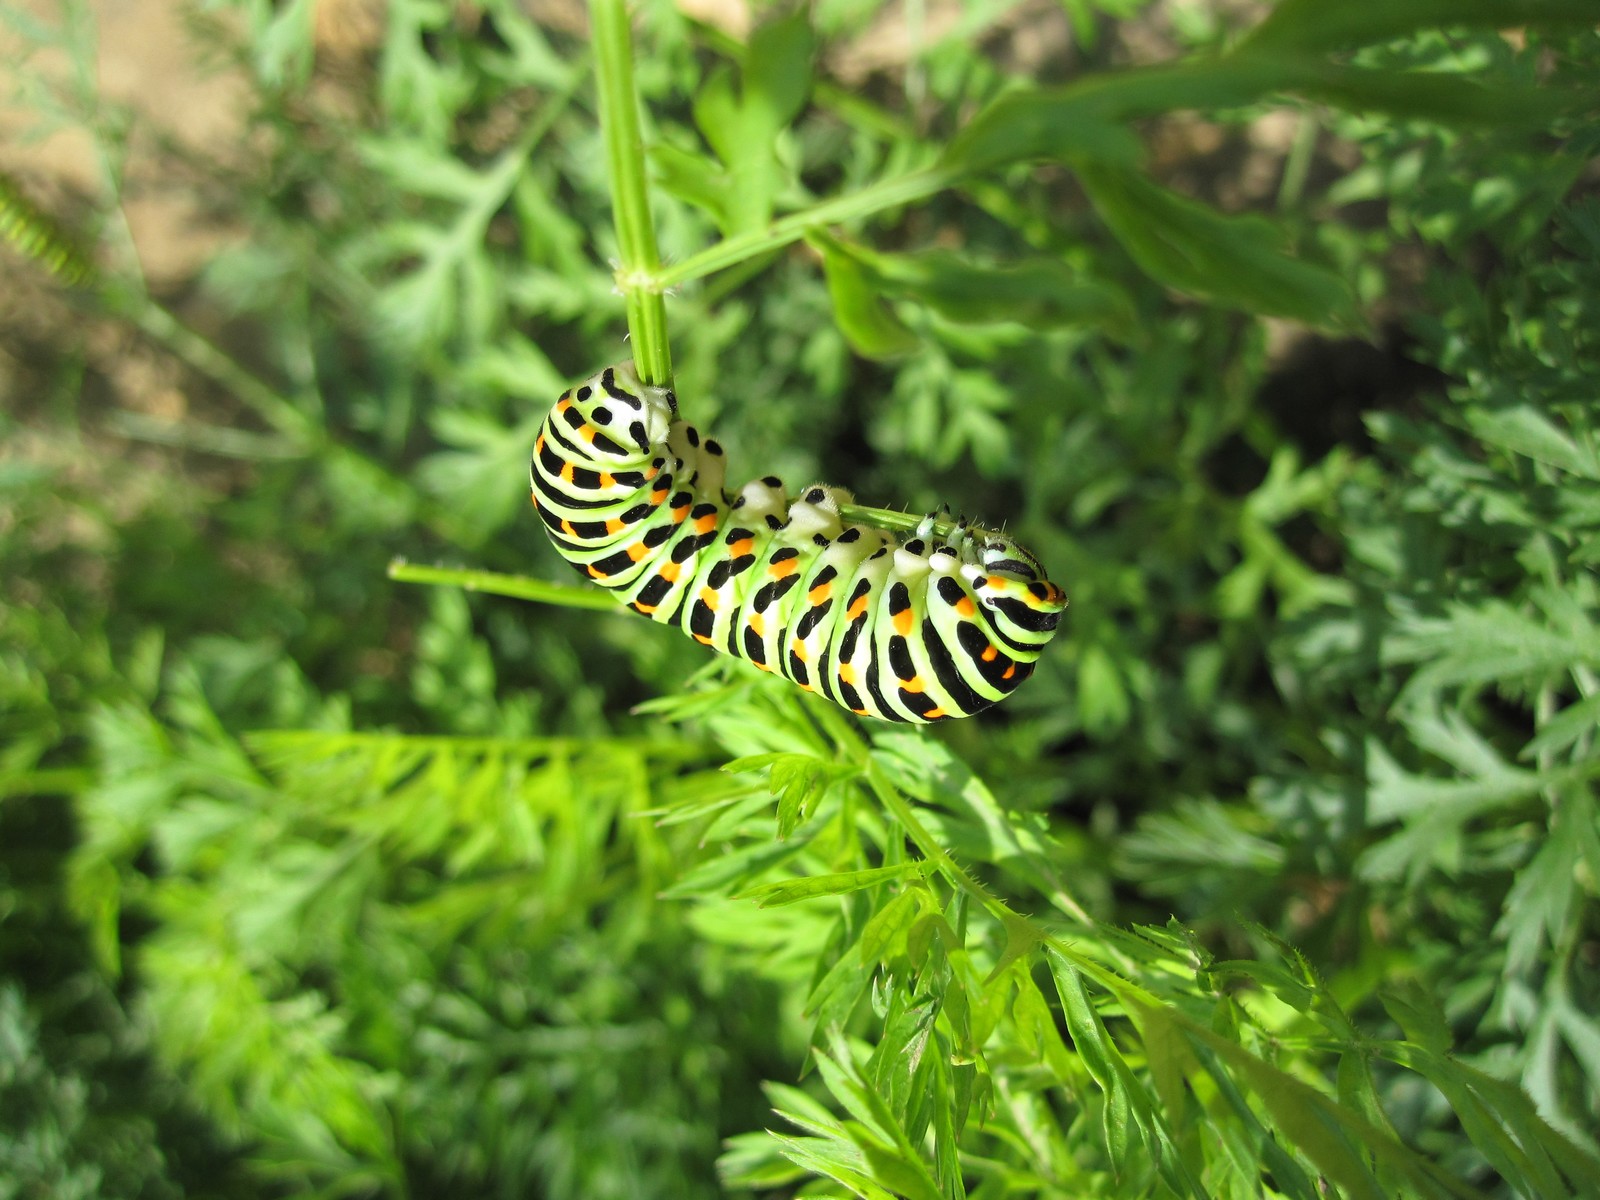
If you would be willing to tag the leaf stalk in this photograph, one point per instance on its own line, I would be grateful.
(638, 270)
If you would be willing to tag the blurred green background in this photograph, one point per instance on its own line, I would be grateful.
(1273, 330)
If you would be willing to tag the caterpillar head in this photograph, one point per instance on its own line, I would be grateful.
(632, 416)
(1012, 584)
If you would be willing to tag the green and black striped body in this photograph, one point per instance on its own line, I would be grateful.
(918, 629)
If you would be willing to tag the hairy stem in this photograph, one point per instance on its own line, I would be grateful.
(518, 587)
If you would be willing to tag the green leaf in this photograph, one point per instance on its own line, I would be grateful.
(1129, 1120)
(1040, 294)
(1103, 703)
(1565, 728)
(890, 923)
(1308, 1120)
(1339, 24)
(777, 70)
(1545, 894)
(1427, 96)
(1037, 1025)
(743, 128)
(862, 317)
(1083, 124)
(895, 1162)
(790, 891)
(1417, 1011)
(798, 780)
(833, 1159)
(1524, 1154)
(837, 993)
(1489, 643)
(1527, 431)
(469, 481)
(718, 875)
(1436, 809)
(693, 178)
(1234, 260)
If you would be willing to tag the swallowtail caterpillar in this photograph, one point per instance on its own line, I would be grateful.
(939, 624)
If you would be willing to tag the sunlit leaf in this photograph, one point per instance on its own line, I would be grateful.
(791, 891)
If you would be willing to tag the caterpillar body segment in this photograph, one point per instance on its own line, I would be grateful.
(914, 629)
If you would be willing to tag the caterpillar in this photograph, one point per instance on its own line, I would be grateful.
(921, 629)
(36, 236)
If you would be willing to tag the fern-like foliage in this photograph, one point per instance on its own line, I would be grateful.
(329, 902)
(1279, 879)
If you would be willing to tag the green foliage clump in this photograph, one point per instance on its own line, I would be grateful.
(1279, 878)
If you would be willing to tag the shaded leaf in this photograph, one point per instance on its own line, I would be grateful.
(869, 326)
(1337, 24)
(1234, 260)
(1040, 294)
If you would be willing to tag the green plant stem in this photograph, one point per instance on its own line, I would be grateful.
(204, 357)
(518, 587)
(639, 272)
(1297, 166)
(887, 193)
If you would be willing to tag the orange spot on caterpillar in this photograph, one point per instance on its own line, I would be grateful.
(595, 572)
(538, 446)
(847, 673)
(797, 648)
(902, 622)
(566, 528)
(1010, 671)
(933, 714)
(670, 571)
(857, 609)
(638, 551)
(742, 547)
(819, 593)
(587, 434)
(914, 685)
(607, 480)
(758, 623)
(788, 566)
(995, 582)
(615, 526)
(965, 607)
(646, 609)
(702, 639)
(706, 523)
(680, 514)
(563, 405)
(989, 654)
(710, 598)
(534, 496)
(566, 472)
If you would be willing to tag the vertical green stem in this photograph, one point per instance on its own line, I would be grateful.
(638, 272)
